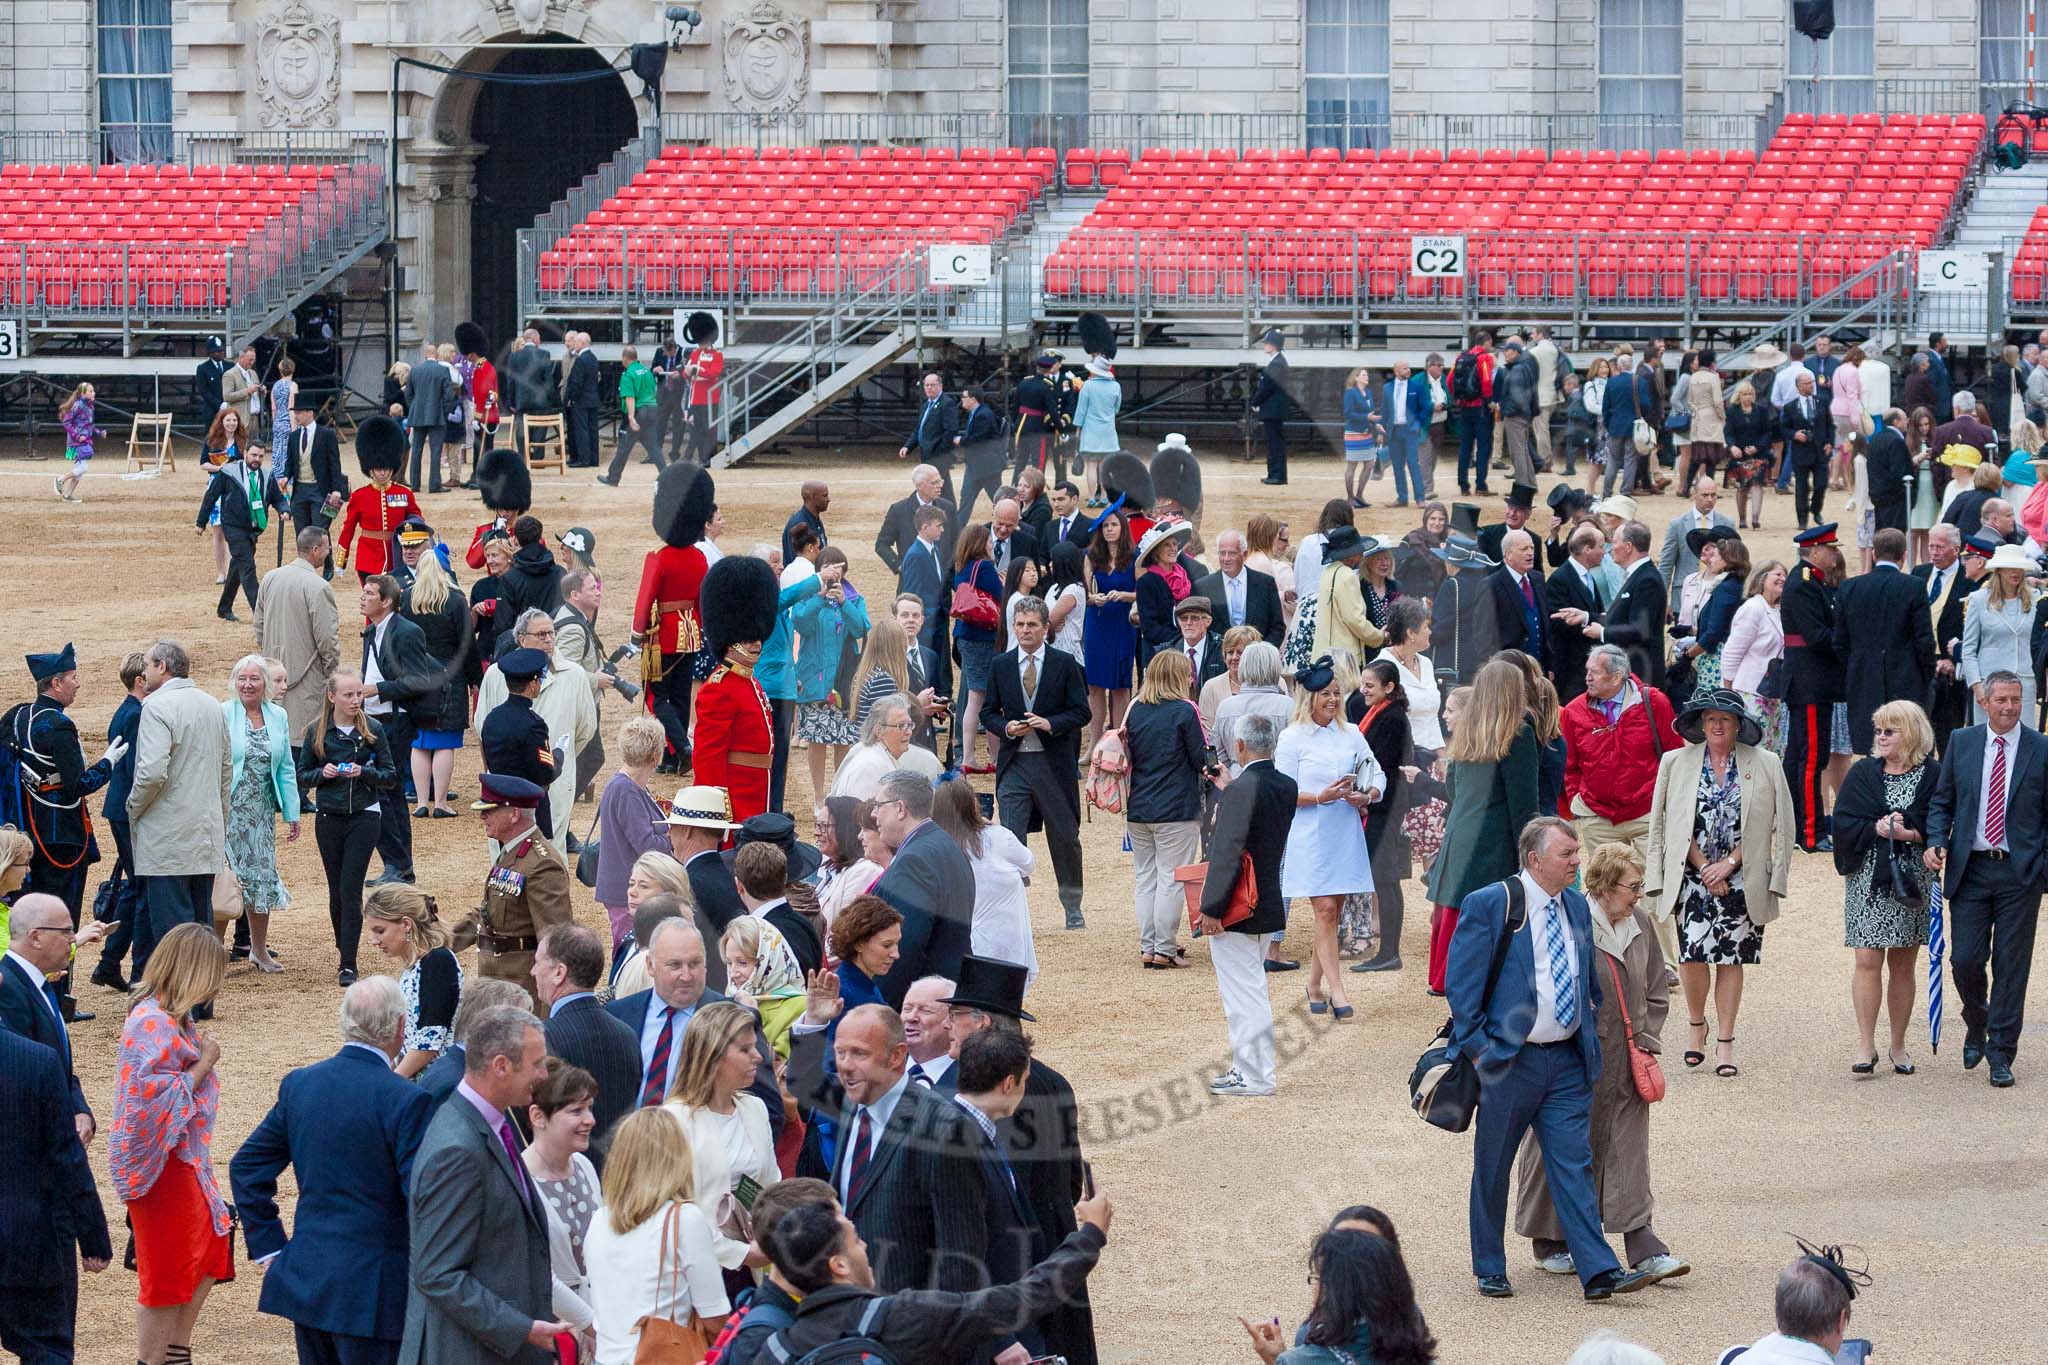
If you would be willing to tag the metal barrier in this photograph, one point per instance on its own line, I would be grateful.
(1928, 95)
(306, 148)
(601, 184)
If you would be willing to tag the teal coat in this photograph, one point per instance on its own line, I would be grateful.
(822, 632)
(774, 672)
(284, 778)
(1095, 416)
(1490, 802)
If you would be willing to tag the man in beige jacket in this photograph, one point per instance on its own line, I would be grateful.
(177, 809)
(1341, 619)
(298, 624)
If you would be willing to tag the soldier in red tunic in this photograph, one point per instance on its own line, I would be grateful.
(665, 614)
(380, 507)
(703, 367)
(733, 733)
(507, 490)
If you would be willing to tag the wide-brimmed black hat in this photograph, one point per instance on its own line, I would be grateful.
(1342, 542)
(777, 828)
(1725, 699)
(991, 986)
(1696, 539)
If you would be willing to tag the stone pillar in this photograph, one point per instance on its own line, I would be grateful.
(433, 235)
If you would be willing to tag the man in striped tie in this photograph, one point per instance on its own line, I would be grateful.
(1987, 834)
(1523, 995)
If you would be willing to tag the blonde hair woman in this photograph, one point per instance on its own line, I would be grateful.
(730, 1139)
(403, 925)
(1337, 778)
(1495, 773)
(649, 1254)
(15, 852)
(1997, 631)
(1163, 813)
(655, 874)
(264, 787)
(631, 818)
(884, 669)
(160, 1144)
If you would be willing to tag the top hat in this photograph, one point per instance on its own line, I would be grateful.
(1522, 495)
(991, 986)
(1465, 517)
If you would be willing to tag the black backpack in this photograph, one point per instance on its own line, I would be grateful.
(859, 1349)
(1465, 385)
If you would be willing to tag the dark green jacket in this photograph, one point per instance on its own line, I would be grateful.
(1490, 802)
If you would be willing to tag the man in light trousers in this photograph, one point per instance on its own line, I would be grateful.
(1252, 818)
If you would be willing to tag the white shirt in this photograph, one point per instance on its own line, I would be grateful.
(1546, 1028)
(658, 1010)
(879, 1113)
(934, 1070)
(1400, 403)
(1785, 387)
(1425, 701)
(1978, 843)
(372, 675)
(627, 1281)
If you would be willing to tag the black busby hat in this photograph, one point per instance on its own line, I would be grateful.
(504, 480)
(470, 339)
(1177, 474)
(380, 444)
(684, 499)
(1124, 476)
(700, 329)
(992, 986)
(1097, 336)
(737, 603)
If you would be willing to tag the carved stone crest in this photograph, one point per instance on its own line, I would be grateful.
(766, 55)
(298, 67)
(534, 16)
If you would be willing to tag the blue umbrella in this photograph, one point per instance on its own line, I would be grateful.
(1934, 950)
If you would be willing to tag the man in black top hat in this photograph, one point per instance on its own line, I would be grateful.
(1270, 400)
(1043, 1137)
(206, 379)
(309, 469)
(1521, 501)
(515, 738)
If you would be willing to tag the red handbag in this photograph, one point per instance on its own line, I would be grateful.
(1244, 892)
(973, 606)
(1642, 1066)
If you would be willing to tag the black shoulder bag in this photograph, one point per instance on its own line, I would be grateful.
(1442, 1089)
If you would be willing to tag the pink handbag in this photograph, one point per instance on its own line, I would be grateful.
(1643, 1066)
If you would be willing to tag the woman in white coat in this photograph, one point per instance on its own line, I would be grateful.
(1756, 640)
(1997, 630)
(1001, 862)
(728, 1128)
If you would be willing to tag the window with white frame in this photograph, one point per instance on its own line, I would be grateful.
(1345, 73)
(2002, 42)
(1834, 75)
(1642, 73)
(1048, 73)
(135, 79)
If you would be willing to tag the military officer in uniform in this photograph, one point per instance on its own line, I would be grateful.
(515, 738)
(52, 782)
(1041, 416)
(1814, 682)
(527, 892)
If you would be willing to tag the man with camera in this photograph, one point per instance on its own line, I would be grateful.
(576, 640)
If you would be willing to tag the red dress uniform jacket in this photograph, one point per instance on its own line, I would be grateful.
(475, 557)
(732, 741)
(377, 513)
(711, 365)
(670, 581)
(483, 392)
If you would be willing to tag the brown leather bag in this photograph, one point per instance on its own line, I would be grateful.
(1643, 1067)
(664, 1341)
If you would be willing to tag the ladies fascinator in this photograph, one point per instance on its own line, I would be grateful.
(1317, 675)
(433, 910)
(1833, 1259)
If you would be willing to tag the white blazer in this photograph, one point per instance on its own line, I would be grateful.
(716, 1173)
(1755, 637)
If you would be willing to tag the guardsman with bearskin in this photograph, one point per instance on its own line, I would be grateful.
(733, 732)
(380, 507)
(666, 615)
(506, 486)
(703, 367)
(527, 891)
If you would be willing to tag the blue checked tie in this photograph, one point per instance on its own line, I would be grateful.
(1563, 976)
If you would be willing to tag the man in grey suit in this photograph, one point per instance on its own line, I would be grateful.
(429, 397)
(1241, 596)
(1987, 835)
(1677, 560)
(480, 1271)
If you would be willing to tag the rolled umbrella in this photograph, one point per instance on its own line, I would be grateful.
(1934, 952)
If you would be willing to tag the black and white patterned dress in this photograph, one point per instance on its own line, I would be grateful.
(1717, 929)
(432, 988)
(1874, 919)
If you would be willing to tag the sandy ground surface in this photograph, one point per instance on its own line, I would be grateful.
(1943, 1181)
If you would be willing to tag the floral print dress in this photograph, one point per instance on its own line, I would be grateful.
(1717, 929)
(252, 829)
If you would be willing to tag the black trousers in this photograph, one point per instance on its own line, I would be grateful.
(1386, 885)
(670, 700)
(672, 426)
(394, 839)
(1808, 736)
(1276, 448)
(336, 1348)
(1948, 706)
(1991, 920)
(583, 437)
(702, 434)
(37, 1321)
(435, 435)
(241, 568)
(648, 438)
(167, 902)
(974, 485)
(1890, 515)
(1809, 487)
(346, 842)
(127, 901)
(1029, 786)
(778, 771)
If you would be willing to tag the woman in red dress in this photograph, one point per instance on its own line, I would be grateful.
(159, 1147)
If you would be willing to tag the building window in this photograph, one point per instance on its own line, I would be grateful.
(1049, 73)
(1346, 73)
(135, 80)
(2002, 43)
(1833, 76)
(1642, 73)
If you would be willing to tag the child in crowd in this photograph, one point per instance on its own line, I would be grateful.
(76, 415)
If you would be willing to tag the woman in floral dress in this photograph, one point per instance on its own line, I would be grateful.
(265, 786)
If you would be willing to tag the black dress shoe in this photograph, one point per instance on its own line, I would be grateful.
(1608, 1283)
(239, 953)
(2001, 1072)
(1274, 483)
(1495, 1287)
(571, 844)
(203, 1011)
(345, 977)
(75, 1015)
(228, 616)
(1378, 964)
(109, 975)
(1973, 1053)
(1282, 964)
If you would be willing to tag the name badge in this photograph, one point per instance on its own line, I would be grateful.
(507, 882)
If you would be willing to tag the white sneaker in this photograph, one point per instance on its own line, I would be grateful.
(1559, 1264)
(1664, 1267)
(1236, 1087)
(1227, 1080)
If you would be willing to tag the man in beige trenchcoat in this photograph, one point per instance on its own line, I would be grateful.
(298, 624)
(178, 807)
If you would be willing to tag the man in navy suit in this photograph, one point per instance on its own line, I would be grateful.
(39, 943)
(1987, 834)
(349, 1128)
(1038, 703)
(1533, 1043)
(660, 1016)
(991, 1071)
(48, 1206)
(1521, 599)
(923, 663)
(567, 966)
(931, 436)
(929, 881)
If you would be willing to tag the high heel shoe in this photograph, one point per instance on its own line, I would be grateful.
(1868, 1068)
(1342, 1011)
(1316, 1006)
(1693, 1056)
(1726, 1068)
(1898, 1067)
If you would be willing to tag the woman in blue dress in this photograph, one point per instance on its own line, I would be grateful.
(1109, 645)
(284, 394)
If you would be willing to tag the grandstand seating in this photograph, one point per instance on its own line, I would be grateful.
(1828, 196)
(80, 240)
(2030, 263)
(798, 221)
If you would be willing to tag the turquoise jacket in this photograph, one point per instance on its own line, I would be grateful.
(822, 632)
(284, 778)
(773, 671)
(1095, 416)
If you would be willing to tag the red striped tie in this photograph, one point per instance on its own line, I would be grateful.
(655, 1088)
(1994, 814)
(857, 1160)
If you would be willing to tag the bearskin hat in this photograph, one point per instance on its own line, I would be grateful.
(1124, 476)
(470, 340)
(737, 605)
(380, 444)
(504, 481)
(1097, 336)
(1177, 476)
(683, 502)
(700, 329)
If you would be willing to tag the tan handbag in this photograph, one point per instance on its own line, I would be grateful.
(227, 893)
(664, 1341)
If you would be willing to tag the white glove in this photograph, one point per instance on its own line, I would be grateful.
(117, 751)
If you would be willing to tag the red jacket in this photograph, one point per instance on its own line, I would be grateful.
(733, 740)
(1614, 767)
(670, 582)
(377, 514)
(710, 368)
